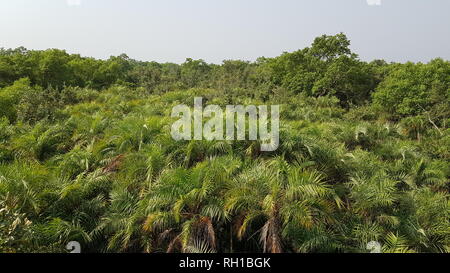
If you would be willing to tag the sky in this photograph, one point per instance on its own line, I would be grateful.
(217, 30)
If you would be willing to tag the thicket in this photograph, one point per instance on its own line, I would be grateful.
(86, 155)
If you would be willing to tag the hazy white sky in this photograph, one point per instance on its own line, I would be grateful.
(214, 30)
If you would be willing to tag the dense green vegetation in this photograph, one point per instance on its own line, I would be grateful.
(86, 155)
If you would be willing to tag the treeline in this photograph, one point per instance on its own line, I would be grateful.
(327, 68)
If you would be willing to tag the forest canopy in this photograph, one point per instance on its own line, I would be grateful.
(86, 154)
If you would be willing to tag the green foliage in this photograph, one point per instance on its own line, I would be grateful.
(11, 96)
(86, 155)
(15, 230)
(412, 89)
